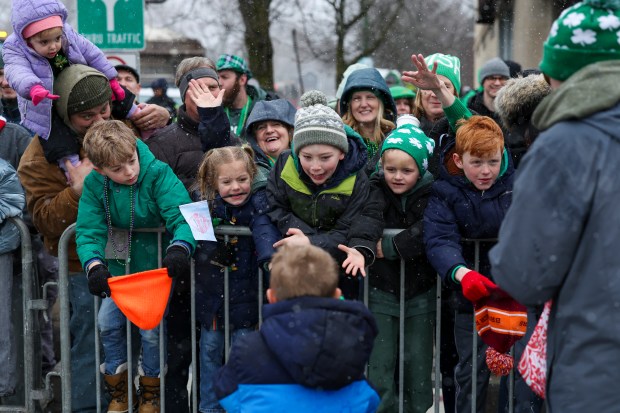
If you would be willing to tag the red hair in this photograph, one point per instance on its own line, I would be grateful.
(478, 135)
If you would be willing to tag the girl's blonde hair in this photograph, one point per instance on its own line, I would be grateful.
(207, 172)
(382, 125)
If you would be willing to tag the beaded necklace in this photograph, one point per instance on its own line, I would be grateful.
(371, 147)
(106, 204)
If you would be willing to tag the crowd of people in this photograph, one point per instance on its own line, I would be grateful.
(523, 165)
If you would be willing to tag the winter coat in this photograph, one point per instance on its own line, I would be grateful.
(14, 140)
(368, 79)
(166, 102)
(179, 145)
(309, 356)
(248, 254)
(558, 240)
(24, 68)
(157, 195)
(324, 214)
(10, 110)
(457, 210)
(12, 202)
(383, 210)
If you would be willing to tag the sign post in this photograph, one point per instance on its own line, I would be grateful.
(112, 24)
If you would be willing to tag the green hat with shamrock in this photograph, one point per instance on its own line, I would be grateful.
(234, 63)
(448, 66)
(410, 139)
(585, 33)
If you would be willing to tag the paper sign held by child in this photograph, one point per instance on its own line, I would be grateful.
(199, 219)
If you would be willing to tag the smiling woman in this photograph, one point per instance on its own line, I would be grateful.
(369, 109)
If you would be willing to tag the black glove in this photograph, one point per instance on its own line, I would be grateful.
(176, 260)
(98, 281)
(224, 254)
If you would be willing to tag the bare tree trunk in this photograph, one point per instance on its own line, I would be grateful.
(257, 40)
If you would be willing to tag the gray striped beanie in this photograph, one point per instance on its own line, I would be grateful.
(316, 123)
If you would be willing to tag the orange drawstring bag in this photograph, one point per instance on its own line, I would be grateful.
(142, 296)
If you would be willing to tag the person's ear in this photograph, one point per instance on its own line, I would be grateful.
(271, 296)
(99, 171)
(458, 161)
(341, 156)
(337, 293)
(243, 79)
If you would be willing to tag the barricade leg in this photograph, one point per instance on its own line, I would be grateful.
(8, 350)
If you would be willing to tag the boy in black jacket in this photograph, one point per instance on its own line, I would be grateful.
(398, 197)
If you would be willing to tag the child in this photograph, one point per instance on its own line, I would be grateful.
(130, 189)
(316, 190)
(468, 201)
(399, 192)
(225, 179)
(310, 353)
(40, 47)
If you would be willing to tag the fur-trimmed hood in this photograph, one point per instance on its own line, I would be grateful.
(516, 101)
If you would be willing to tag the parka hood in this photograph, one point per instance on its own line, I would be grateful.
(280, 110)
(321, 342)
(369, 79)
(30, 11)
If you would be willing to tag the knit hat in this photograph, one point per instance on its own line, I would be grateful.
(345, 76)
(401, 92)
(160, 83)
(448, 66)
(198, 73)
(234, 63)
(410, 139)
(493, 67)
(80, 88)
(88, 93)
(40, 25)
(585, 33)
(501, 321)
(318, 124)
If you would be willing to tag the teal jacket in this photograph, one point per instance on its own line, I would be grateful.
(158, 194)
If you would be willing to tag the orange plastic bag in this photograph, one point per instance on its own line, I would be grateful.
(142, 296)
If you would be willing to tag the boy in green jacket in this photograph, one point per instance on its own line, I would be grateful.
(129, 189)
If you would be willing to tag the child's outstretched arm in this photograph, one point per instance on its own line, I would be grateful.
(354, 262)
(18, 69)
(264, 232)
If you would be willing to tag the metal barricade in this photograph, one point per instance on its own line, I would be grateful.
(228, 231)
(31, 305)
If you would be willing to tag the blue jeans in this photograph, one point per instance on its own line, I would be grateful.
(112, 326)
(211, 359)
(82, 327)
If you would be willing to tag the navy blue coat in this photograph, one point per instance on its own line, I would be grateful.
(456, 210)
(309, 356)
(243, 274)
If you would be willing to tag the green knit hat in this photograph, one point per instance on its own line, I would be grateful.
(585, 33)
(401, 92)
(234, 63)
(448, 66)
(410, 139)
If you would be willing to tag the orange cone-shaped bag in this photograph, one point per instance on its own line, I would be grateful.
(142, 296)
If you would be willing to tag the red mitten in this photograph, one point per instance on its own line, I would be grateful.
(117, 91)
(476, 286)
(38, 93)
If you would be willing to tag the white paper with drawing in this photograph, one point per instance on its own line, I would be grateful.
(198, 217)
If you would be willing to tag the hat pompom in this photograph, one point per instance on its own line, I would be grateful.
(499, 364)
(313, 97)
(604, 4)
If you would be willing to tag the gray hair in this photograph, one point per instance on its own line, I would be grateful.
(191, 63)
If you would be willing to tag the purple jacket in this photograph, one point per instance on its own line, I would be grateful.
(24, 68)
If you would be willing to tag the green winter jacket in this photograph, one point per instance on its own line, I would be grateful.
(158, 194)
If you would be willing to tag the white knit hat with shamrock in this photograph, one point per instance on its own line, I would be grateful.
(585, 33)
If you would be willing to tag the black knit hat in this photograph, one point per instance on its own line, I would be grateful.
(89, 92)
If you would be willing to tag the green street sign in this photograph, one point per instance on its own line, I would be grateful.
(112, 24)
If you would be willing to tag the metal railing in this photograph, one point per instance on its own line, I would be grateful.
(32, 305)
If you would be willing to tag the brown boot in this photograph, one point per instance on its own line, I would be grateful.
(117, 386)
(149, 394)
